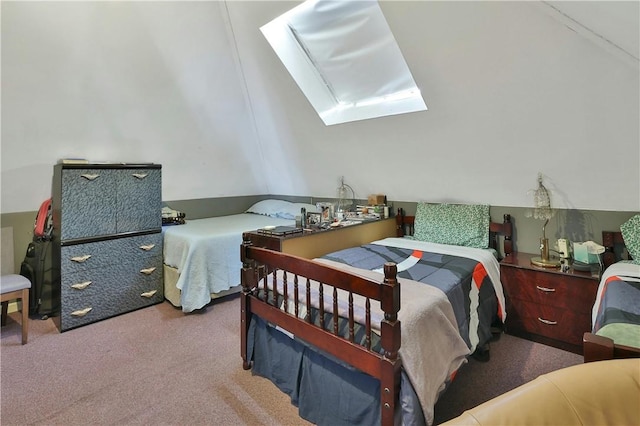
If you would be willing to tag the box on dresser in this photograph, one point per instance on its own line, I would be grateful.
(545, 304)
(107, 240)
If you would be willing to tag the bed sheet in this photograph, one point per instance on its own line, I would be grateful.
(205, 253)
(616, 312)
(462, 299)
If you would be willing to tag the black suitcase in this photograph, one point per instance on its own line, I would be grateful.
(37, 265)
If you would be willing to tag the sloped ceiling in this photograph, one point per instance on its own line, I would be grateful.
(520, 86)
(514, 88)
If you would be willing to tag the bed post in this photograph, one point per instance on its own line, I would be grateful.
(390, 339)
(400, 223)
(248, 280)
(508, 233)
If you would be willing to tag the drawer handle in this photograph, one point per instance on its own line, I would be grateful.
(149, 294)
(81, 286)
(90, 176)
(548, 322)
(546, 289)
(148, 271)
(140, 175)
(81, 312)
(81, 259)
(147, 247)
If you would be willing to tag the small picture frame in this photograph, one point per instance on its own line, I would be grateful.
(314, 218)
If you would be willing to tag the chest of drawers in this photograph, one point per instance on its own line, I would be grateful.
(107, 241)
(546, 305)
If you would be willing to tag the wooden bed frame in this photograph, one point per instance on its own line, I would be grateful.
(599, 348)
(257, 300)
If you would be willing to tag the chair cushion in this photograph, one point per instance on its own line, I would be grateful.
(13, 282)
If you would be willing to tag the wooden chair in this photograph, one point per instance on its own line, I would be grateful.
(14, 287)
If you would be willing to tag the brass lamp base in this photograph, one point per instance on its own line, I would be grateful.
(545, 263)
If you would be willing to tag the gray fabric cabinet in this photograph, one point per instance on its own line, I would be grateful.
(107, 240)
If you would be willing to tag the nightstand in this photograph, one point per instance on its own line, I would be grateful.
(546, 305)
(318, 242)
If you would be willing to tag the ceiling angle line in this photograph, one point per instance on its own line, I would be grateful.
(245, 87)
(595, 34)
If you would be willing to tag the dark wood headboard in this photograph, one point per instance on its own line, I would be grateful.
(615, 249)
(405, 226)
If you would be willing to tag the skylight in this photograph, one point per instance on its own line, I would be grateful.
(345, 59)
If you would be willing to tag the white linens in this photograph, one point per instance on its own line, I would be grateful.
(206, 253)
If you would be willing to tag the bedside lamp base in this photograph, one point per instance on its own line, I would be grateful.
(545, 263)
(543, 260)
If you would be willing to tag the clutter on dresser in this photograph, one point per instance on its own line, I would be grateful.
(172, 217)
(376, 208)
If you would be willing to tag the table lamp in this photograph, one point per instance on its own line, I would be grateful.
(543, 211)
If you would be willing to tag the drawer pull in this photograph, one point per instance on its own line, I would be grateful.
(544, 321)
(81, 259)
(81, 286)
(81, 312)
(90, 176)
(147, 247)
(148, 271)
(546, 289)
(140, 175)
(149, 294)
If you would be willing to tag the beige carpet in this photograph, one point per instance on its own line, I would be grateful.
(158, 366)
(153, 366)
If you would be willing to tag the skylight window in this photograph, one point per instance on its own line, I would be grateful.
(343, 56)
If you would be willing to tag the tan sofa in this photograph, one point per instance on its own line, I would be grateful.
(595, 393)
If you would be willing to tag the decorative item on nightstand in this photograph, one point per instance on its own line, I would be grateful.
(543, 211)
(345, 200)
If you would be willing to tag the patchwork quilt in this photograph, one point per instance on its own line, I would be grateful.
(469, 277)
(616, 313)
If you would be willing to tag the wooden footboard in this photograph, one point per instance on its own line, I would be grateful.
(284, 310)
(599, 348)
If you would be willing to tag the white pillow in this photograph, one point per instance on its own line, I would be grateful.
(279, 208)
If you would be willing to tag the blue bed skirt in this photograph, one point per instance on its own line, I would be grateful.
(325, 390)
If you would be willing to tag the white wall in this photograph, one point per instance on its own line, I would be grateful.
(511, 92)
(123, 81)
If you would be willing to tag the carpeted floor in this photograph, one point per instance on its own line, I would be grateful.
(159, 366)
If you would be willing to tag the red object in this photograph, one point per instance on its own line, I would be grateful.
(43, 224)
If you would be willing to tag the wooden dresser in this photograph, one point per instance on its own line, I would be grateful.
(318, 242)
(546, 305)
(107, 240)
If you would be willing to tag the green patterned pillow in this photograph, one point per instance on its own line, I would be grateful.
(456, 224)
(631, 236)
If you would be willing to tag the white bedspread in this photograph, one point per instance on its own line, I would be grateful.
(206, 253)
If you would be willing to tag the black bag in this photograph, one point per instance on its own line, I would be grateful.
(37, 266)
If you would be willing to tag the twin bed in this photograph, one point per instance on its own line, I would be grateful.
(356, 337)
(616, 311)
(201, 259)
